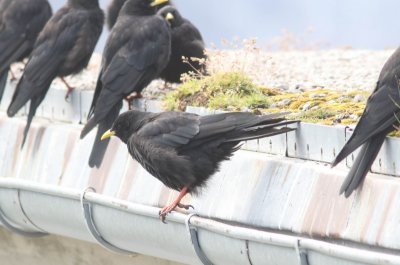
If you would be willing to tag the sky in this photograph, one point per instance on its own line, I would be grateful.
(362, 24)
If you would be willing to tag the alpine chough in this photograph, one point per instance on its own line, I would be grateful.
(183, 150)
(379, 118)
(115, 7)
(20, 23)
(64, 47)
(137, 50)
(187, 42)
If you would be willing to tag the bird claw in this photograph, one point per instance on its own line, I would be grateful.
(167, 209)
(69, 92)
(185, 206)
(162, 216)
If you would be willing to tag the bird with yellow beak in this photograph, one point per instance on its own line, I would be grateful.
(184, 150)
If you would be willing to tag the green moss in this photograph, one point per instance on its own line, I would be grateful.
(236, 91)
(220, 91)
(324, 116)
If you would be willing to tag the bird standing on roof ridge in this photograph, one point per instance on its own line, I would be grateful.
(187, 42)
(137, 50)
(64, 47)
(183, 150)
(20, 24)
(379, 118)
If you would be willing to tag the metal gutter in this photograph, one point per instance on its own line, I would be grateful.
(283, 186)
(136, 228)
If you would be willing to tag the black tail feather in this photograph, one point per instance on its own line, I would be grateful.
(35, 102)
(99, 147)
(362, 164)
(259, 131)
(88, 127)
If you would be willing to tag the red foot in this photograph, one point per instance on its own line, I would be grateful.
(12, 78)
(131, 97)
(176, 203)
(70, 88)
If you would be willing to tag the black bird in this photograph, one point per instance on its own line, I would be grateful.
(115, 7)
(186, 41)
(137, 50)
(20, 23)
(64, 47)
(183, 150)
(113, 11)
(378, 119)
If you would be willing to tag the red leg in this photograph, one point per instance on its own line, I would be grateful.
(12, 78)
(176, 203)
(165, 85)
(131, 97)
(70, 88)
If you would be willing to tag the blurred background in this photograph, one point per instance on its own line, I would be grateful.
(306, 24)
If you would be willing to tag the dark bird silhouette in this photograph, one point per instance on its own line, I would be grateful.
(377, 120)
(115, 7)
(113, 11)
(186, 41)
(183, 150)
(64, 47)
(20, 24)
(136, 51)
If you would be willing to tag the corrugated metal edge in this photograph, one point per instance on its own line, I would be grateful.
(312, 142)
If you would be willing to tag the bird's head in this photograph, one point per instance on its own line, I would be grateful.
(125, 125)
(171, 14)
(143, 7)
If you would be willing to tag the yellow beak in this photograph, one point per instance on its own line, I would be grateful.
(158, 2)
(169, 17)
(107, 134)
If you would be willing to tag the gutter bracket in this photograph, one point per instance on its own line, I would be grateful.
(12, 228)
(88, 216)
(302, 254)
(195, 240)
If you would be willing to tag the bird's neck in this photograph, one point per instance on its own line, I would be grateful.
(131, 8)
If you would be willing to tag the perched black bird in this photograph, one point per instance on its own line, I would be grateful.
(116, 6)
(379, 118)
(20, 24)
(137, 50)
(64, 47)
(186, 41)
(183, 150)
(113, 11)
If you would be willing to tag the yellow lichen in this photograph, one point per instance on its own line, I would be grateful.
(234, 91)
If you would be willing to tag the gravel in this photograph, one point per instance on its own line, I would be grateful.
(338, 69)
(293, 71)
